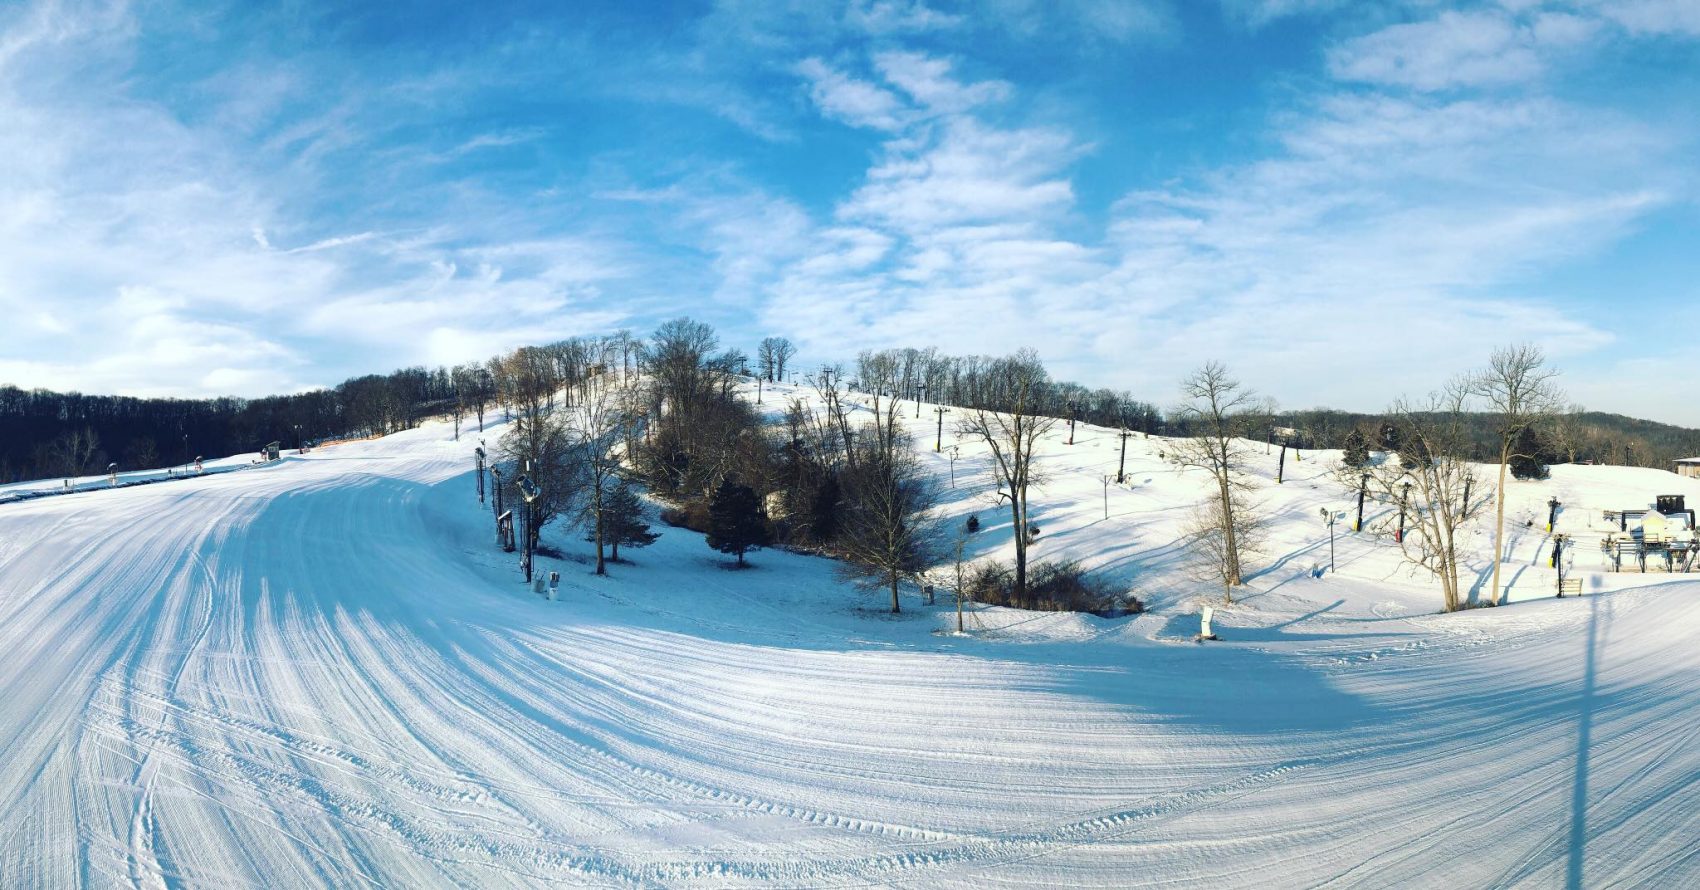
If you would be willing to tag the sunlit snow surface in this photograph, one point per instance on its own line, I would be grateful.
(323, 673)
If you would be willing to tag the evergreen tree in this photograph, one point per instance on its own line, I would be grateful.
(1529, 456)
(824, 509)
(735, 521)
(623, 521)
(1356, 449)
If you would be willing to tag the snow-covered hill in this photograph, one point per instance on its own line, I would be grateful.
(322, 672)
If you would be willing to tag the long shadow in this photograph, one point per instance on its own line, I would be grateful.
(1584, 737)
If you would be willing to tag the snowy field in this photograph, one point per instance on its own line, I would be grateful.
(321, 672)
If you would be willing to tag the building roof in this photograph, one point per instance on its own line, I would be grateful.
(1688, 460)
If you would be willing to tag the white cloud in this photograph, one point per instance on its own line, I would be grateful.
(1455, 49)
(855, 102)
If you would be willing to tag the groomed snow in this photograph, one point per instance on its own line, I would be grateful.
(322, 673)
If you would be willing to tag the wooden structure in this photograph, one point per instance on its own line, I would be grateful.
(1688, 466)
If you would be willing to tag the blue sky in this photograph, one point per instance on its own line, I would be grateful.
(1346, 202)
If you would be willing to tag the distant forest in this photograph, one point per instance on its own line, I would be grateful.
(46, 434)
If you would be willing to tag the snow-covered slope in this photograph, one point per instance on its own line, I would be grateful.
(321, 672)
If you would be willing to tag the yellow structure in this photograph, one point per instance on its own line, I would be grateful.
(1689, 466)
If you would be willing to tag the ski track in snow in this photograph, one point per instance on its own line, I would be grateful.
(322, 673)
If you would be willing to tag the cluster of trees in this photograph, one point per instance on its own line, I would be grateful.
(1430, 451)
(975, 381)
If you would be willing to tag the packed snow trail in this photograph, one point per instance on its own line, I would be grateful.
(322, 673)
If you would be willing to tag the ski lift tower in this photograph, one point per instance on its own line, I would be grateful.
(530, 492)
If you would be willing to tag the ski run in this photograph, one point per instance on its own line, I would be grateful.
(321, 671)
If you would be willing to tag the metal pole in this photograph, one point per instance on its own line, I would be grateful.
(938, 443)
(1281, 468)
(1331, 542)
(1071, 409)
(1121, 468)
(1404, 497)
(1106, 496)
(1363, 488)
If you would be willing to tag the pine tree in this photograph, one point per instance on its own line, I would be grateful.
(622, 521)
(824, 509)
(1356, 450)
(735, 522)
(1529, 456)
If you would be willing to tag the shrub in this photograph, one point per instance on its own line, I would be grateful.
(1051, 587)
(693, 515)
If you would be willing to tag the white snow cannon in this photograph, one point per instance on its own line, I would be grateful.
(1204, 625)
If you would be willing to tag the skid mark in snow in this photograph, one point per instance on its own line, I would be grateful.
(323, 675)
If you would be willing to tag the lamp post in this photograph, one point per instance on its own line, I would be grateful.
(954, 454)
(1121, 467)
(185, 454)
(938, 441)
(1072, 407)
(1552, 513)
(921, 393)
(297, 438)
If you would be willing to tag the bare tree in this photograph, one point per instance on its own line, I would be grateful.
(1219, 412)
(1431, 479)
(1517, 386)
(885, 535)
(595, 427)
(772, 356)
(1019, 385)
(1220, 535)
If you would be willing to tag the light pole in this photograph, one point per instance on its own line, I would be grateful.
(1072, 406)
(921, 393)
(938, 441)
(478, 453)
(298, 438)
(954, 454)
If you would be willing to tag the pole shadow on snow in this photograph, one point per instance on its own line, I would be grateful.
(1584, 737)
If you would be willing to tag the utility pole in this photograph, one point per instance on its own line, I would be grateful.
(1281, 468)
(1404, 498)
(496, 498)
(530, 492)
(478, 454)
(1121, 468)
(938, 442)
(1552, 513)
(921, 394)
(1363, 488)
(1072, 406)
(954, 454)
